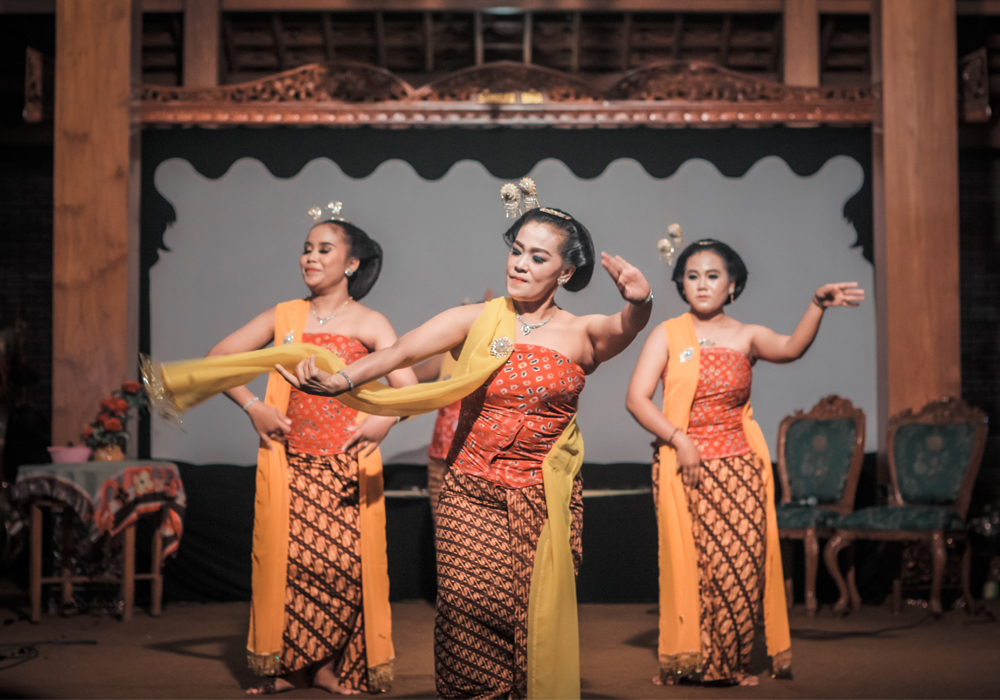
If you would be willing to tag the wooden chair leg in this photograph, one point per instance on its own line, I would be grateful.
(128, 573)
(155, 568)
(35, 566)
(971, 608)
(812, 564)
(939, 555)
(852, 584)
(68, 549)
(786, 567)
(830, 552)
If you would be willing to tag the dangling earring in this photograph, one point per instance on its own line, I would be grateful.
(348, 272)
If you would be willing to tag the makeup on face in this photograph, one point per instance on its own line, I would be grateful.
(534, 262)
(706, 281)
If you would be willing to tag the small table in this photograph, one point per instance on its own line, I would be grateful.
(108, 498)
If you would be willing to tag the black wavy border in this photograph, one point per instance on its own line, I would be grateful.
(506, 153)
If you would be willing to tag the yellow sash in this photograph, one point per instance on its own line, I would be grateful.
(270, 540)
(553, 640)
(680, 622)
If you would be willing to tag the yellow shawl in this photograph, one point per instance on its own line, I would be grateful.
(270, 538)
(680, 623)
(553, 640)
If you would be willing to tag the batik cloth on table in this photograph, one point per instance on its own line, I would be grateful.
(720, 562)
(107, 497)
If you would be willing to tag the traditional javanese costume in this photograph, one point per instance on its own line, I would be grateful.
(444, 433)
(320, 577)
(719, 555)
(550, 635)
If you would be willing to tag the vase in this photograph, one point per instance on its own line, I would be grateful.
(107, 453)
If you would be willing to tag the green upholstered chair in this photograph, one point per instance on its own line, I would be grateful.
(934, 457)
(819, 461)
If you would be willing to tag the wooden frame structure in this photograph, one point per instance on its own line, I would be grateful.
(829, 408)
(350, 94)
(942, 412)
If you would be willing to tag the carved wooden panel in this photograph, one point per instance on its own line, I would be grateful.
(342, 93)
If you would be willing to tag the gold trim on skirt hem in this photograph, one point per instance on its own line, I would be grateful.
(380, 677)
(680, 665)
(264, 664)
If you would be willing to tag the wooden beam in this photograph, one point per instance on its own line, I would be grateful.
(574, 56)
(801, 37)
(527, 38)
(428, 42)
(477, 38)
(536, 5)
(201, 43)
(917, 215)
(95, 261)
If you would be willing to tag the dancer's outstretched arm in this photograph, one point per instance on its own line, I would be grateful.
(774, 347)
(443, 332)
(612, 334)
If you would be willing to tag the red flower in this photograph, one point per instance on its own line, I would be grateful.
(131, 387)
(87, 432)
(121, 408)
(112, 425)
(109, 404)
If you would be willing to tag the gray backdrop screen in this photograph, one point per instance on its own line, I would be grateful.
(231, 250)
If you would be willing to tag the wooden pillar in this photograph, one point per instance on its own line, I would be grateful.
(915, 166)
(801, 38)
(95, 260)
(201, 43)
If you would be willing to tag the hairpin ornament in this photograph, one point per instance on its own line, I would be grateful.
(330, 212)
(669, 246)
(525, 194)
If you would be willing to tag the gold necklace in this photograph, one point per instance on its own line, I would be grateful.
(526, 327)
(324, 321)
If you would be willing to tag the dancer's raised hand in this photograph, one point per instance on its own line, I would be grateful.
(631, 283)
(839, 294)
(310, 379)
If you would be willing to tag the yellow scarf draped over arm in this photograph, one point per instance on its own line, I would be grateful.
(680, 620)
(553, 638)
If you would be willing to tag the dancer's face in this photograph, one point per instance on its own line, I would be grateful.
(325, 257)
(706, 283)
(534, 263)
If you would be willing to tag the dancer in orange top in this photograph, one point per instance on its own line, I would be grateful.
(493, 507)
(719, 559)
(322, 640)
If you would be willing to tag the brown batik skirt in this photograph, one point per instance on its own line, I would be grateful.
(324, 617)
(486, 540)
(730, 526)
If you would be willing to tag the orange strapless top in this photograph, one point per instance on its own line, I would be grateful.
(716, 426)
(508, 425)
(320, 423)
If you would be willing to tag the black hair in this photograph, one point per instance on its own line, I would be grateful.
(577, 248)
(369, 255)
(735, 267)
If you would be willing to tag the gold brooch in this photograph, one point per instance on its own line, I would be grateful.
(501, 347)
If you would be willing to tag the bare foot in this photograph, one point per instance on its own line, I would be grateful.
(750, 680)
(326, 679)
(270, 687)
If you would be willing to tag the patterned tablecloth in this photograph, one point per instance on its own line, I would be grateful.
(107, 496)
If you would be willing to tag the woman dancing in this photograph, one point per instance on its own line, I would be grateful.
(712, 481)
(510, 512)
(313, 610)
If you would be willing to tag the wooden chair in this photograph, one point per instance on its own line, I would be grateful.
(820, 454)
(934, 457)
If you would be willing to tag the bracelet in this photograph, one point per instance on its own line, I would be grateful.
(644, 301)
(345, 375)
(250, 403)
(670, 440)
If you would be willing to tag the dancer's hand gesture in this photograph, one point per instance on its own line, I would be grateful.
(838, 294)
(269, 423)
(367, 435)
(688, 460)
(310, 379)
(631, 283)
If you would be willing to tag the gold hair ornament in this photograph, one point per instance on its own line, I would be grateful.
(524, 194)
(670, 245)
(330, 212)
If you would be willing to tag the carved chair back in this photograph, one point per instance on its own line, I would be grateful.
(934, 455)
(820, 454)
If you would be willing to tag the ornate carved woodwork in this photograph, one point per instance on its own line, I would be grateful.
(975, 81)
(345, 93)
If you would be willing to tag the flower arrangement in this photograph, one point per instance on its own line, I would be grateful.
(108, 428)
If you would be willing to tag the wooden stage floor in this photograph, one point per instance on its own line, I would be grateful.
(198, 651)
